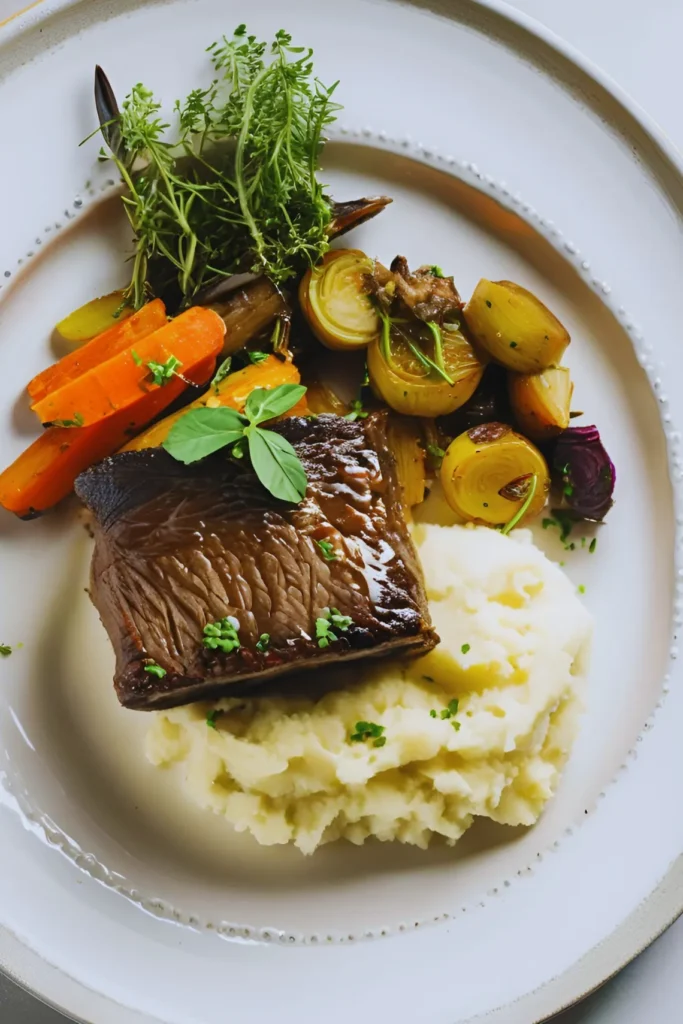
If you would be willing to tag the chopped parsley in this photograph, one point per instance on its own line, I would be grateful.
(263, 643)
(581, 589)
(325, 625)
(155, 670)
(513, 344)
(356, 411)
(328, 550)
(448, 712)
(436, 454)
(77, 421)
(211, 718)
(222, 372)
(436, 271)
(465, 648)
(163, 372)
(593, 545)
(433, 713)
(456, 725)
(5, 650)
(369, 731)
(257, 357)
(222, 635)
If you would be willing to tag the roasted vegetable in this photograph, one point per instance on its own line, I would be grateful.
(247, 311)
(541, 402)
(121, 382)
(488, 472)
(514, 327)
(583, 473)
(321, 398)
(334, 299)
(428, 371)
(45, 473)
(105, 346)
(93, 318)
(403, 437)
(232, 391)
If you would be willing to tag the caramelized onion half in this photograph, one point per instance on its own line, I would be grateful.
(487, 474)
(334, 299)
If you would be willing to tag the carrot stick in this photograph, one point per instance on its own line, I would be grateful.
(45, 472)
(112, 341)
(232, 391)
(122, 382)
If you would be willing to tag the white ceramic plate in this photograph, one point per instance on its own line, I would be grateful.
(120, 902)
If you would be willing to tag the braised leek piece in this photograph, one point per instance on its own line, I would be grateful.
(514, 327)
(488, 472)
(541, 402)
(93, 318)
(334, 299)
(403, 437)
(423, 370)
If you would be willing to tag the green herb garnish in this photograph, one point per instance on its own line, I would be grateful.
(5, 650)
(593, 545)
(522, 510)
(211, 719)
(201, 432)
(257, 357)
(136, 358)
(562, 521)
(436, 453)
(77, 421)
(436, 271)
(432, 713)
(222, 635)
(581, 589)
(155, 670)
(222, 372)
(465, 648)
(513, 344)
(369, 731)
(328, 550)
(163, 372)
(263, 643)
(330, 620)
(238, 191)
(356, 411)
(488, 302)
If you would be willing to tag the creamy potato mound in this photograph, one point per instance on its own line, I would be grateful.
(514, 651)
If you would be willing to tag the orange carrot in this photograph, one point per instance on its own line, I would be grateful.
(106, 345)
(123, 381)
(232, 391)
(45, 472)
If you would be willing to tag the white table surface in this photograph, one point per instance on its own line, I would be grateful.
(638, 44)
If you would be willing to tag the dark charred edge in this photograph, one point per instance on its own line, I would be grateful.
(350, 215)
(195, 690)
(108, 113)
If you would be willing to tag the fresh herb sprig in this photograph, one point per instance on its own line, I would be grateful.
(201, 432)
(5, 650)
(238, 190)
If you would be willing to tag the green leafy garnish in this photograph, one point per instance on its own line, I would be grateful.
(263, 643)
(163, 372)
(155, 670)
(222, 372)
(369, 731)
(222, 635)
(211, 719)
(447, 712)
(436, 271)
(201, 432)
(238, 191)
(581, 589)
(433, 713)
(136, 358)
(563, 522)
(5, 650)
(465, 648)
(356, 411)
(330, 620)
(328, 550)
(77, 421)
(257, 357)
(593, 545)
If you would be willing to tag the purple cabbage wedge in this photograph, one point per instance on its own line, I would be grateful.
(585, 473)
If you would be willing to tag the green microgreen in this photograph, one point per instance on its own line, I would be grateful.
(328, 550)
(222, 635)
(368, 731)
(330, 620)
(155, 670)
(161, 373)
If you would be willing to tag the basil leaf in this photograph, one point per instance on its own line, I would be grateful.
(202, 431)
(267, 403)
(277, 465)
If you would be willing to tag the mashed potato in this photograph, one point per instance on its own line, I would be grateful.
(514, 650)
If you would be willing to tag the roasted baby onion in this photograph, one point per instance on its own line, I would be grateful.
(335, 302)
